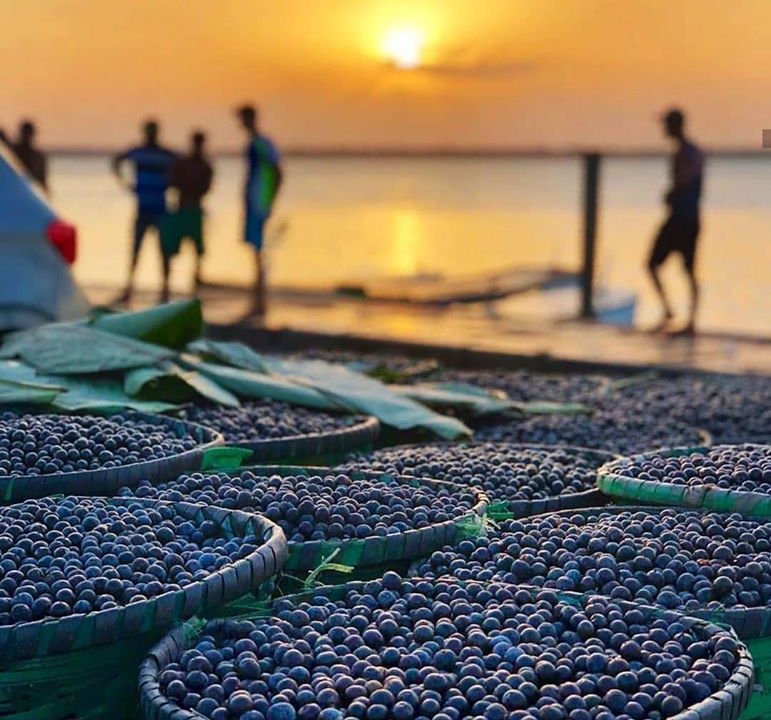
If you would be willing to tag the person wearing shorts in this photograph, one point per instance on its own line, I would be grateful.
(680, 231)
(191, 177)
(152, 163)
(263, 181)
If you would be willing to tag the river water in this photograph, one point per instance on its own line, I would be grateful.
(350, 219)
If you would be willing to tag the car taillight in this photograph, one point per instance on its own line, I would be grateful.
(64, 237)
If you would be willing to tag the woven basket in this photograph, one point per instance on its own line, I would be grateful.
(23, 641)
(725, 704)
(376, 553)
(105, 482)
(77, 666)
(749, 623)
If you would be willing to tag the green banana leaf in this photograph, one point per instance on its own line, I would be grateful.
(156, 382)
(169, 382)
(101, 395)
(75, 349)
(231, 353)
(246, 383)
(344, 387)
(20, 384)
(547, 407)
(12, 393)
(206, 387)
(395, 375)
(481, 401)
(455, 395)
(610, 386)
(90, 392)
(172, 325)
(16, 371)
(367, 395)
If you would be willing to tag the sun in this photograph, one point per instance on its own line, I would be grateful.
(403, 46)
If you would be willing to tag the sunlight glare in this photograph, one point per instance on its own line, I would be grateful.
(402, 46)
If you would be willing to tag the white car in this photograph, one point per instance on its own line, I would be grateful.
(36, 251)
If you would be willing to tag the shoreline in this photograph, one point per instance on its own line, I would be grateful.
(469, 336)
(453, 153)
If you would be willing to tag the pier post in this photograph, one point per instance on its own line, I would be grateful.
(591, 182)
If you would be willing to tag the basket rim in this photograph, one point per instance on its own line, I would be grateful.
(676, 451)
(503, 443)
(368, 428)
(693, 496)
(477, 511)
(704, 435)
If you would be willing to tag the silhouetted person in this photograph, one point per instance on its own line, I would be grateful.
(31, 159)
(152, 164)
(263, 180)
(680, 230)
(191, 176)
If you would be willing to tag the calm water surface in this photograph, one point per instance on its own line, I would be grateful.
(347, 219)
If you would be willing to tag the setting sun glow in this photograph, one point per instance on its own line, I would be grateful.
(403, 46)
(388, 73)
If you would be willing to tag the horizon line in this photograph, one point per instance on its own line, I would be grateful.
(482, 151)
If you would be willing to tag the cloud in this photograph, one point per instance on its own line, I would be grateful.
(467, 62)
(481, 68)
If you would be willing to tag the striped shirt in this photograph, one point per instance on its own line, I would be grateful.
(152, 169)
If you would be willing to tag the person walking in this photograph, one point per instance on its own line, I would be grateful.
(263, 181)
(152, 165)
(680, 231)
(32, 160)
(191, 176)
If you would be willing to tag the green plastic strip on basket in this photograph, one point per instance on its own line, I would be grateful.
(761, 654)
(745, 503)
(8, 495)
(224, 458)
(97, 680)
(499, 511)
(708, 497)
(759, 707)
(647, 491)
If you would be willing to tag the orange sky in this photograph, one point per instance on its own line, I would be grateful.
(501, 72)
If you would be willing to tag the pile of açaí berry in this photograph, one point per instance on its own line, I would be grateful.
(541, 618)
